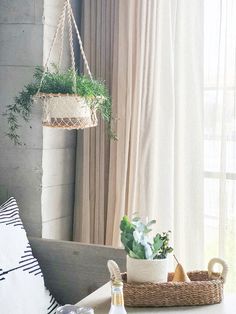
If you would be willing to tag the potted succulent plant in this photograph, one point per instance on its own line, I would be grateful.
(146, 257)
(64, 104)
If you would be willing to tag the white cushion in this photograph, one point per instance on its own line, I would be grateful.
(22, 289)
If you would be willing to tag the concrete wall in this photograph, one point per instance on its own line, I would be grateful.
(21, 48)
(40, 174)
(58, 183)
(58, 148)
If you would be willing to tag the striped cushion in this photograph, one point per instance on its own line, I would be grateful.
(22, 289)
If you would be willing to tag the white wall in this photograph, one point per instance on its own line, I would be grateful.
(40, 174)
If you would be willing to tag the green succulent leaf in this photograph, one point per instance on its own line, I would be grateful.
(133, 255)
(138, 250)
(157, 242)
(137, 243)
(152, 222)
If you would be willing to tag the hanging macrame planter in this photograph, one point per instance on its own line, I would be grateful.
(68, 111)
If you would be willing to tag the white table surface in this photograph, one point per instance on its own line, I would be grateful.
(100, 300)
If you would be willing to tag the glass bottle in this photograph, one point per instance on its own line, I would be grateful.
(73, 309)
(117, 299)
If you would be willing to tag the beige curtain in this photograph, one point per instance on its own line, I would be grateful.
(93, 147)
(150, 52)
(100, 163)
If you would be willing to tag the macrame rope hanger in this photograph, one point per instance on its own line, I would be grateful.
(67, 13)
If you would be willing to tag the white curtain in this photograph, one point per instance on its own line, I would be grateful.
(157, 164)
(156, 167)
(220, 132)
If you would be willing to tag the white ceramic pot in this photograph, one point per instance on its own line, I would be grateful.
(142, 270)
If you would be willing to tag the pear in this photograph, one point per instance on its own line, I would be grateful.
(180, 275)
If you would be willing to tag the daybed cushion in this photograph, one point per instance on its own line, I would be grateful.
(22, 289)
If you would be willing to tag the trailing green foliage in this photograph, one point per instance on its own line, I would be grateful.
(57, 82)
(137, 243)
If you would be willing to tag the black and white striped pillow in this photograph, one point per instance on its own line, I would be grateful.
(22, 289)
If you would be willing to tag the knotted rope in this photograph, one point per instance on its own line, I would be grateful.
(66, 13)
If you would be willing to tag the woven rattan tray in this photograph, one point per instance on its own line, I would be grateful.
(205, 287)
(201, 290)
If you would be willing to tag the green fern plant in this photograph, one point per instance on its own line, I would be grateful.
(56, 82)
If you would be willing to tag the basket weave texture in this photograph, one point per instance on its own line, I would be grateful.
(201, 290)
(68, 111)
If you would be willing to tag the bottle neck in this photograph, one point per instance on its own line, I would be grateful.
(117, 295)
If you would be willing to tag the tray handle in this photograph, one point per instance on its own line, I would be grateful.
(114, 270)
(220, 261)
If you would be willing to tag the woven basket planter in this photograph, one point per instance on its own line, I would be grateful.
(68, 111)
(201, 290)
(143, 270)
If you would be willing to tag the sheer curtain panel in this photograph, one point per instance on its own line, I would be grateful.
(153, 51)
(220, 132)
